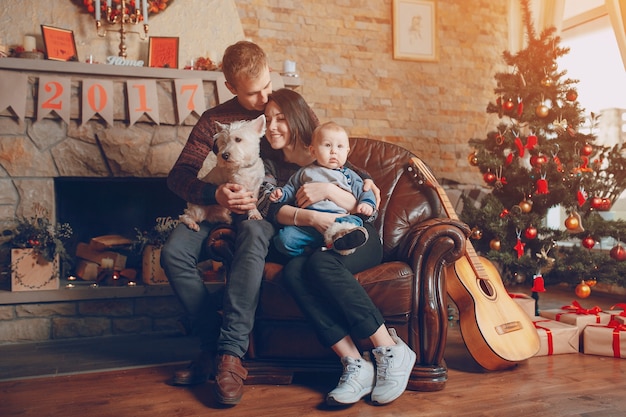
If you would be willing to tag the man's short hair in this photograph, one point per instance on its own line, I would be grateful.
(243, 59)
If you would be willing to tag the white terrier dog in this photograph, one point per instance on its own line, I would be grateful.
(235, 159)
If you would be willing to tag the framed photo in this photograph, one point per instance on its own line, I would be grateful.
(59, 43)
(415, 30)
(163, 52)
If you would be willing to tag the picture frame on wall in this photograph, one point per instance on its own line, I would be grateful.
(59, 43)
(415, 30)
(163, 52)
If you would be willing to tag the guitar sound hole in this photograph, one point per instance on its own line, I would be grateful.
(486, 288)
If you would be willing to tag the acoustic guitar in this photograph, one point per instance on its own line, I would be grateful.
(495, 329)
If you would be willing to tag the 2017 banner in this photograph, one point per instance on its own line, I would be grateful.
(54, 95)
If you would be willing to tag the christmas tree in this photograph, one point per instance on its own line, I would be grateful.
(542, 155)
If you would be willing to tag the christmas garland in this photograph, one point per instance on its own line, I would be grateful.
(154, 6)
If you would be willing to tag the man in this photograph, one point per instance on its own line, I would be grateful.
(247, 75)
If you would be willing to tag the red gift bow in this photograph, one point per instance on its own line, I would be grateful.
(622, 306)
(549, 333)
(513, 295)
(578, 309)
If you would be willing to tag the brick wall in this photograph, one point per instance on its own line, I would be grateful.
(343, 51)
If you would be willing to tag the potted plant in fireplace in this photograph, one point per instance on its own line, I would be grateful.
(149, 244)
(37, 251)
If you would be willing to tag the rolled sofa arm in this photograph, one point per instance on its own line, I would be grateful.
(428, 248)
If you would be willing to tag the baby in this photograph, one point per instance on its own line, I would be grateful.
(329, 146)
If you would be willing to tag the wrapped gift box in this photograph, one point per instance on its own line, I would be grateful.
(556, 338)
(576, 315)
(605, 340)
(526, 302)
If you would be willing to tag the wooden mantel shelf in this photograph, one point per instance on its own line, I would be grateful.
(83, 291)
(43, 65)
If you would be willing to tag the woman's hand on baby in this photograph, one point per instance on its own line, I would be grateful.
(368, 184)
(235, 198)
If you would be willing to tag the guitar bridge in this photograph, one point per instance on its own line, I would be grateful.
(508, 327)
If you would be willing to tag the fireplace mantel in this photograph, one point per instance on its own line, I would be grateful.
(41, 65)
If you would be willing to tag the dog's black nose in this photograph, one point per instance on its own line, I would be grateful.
(225, 156)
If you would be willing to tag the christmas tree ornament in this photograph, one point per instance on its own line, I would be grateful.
(538, 284)
(553, 66)
(605, 205)
(531, 142)
(596, 202)
(519, 245)
(542, 185)
(571, 95)
(591, 282)
(538, 160)
(520, 107)
(583, 290)
(530, 232)
(472, 159)
(547, 81)
(495, 244)
(500, 180)
(618, 253)
(542, 110)
(489, 177)
(508, 105)
(586, 149)
(588, 242)
(476, 234)
(526, 206)
(504, 213)
(581, 196)
(519, 145)
(573, 223)
(519, 277)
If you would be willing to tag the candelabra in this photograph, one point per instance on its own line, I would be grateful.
(124, 16)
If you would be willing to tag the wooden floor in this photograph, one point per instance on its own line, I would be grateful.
(562, 385)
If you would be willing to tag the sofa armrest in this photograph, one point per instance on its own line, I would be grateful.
(428, 248)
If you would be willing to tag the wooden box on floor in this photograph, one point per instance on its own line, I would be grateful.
(31, 272)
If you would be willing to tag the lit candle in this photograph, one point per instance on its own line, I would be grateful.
(97, 10)
(145, 12)
(29, 43)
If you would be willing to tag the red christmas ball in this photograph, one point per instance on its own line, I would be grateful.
(489, 177)
(618, 253)
(589, 242)
(530, 232)
(538, 160)
(596, 202)
(508, 105)
(571, 95)
(586, 150)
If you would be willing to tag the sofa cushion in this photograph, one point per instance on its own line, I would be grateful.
(390, 285)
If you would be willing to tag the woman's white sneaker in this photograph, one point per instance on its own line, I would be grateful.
(355, 383)
(393, 369)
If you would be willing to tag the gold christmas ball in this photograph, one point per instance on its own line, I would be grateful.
(477, 234)
(472, 159)
(583, 290)
(572, 223)
(542, 110)
(547, 82)
(495, 244)
(526, 206)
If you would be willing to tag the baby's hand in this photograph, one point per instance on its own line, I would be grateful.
(365, 209)
(276, 195)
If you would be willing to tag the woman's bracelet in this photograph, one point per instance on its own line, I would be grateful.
(295, 217)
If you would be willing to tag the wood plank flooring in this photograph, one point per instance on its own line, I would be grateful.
(563, 385)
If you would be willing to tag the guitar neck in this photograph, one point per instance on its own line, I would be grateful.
(430, 180)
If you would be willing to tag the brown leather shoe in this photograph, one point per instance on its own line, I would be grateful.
(197, 372)
(229, 379)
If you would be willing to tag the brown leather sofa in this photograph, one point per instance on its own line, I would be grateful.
(408, 287)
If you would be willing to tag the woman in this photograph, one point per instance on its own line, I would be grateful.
(323, 283)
